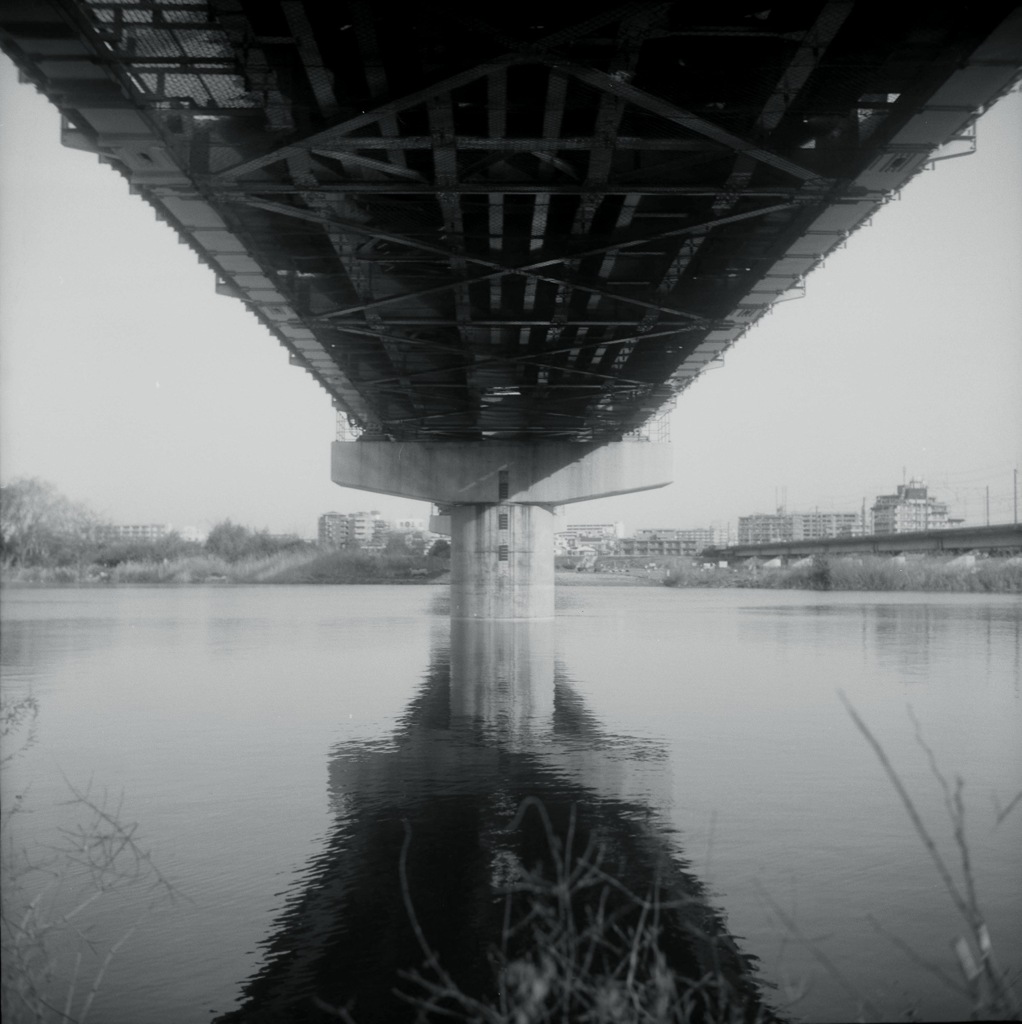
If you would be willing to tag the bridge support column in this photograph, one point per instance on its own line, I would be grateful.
(502, 498)
(502, 562)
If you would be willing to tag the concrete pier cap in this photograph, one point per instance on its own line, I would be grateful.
(502, 499)
(470, 472)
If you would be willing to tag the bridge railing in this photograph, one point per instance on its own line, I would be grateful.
(657, 430)
(347, 429)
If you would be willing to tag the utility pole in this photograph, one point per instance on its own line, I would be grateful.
(1014, 491)
(988, 504)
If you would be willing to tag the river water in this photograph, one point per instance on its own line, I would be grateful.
(304, 762)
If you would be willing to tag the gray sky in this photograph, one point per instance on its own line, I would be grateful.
(129, 384)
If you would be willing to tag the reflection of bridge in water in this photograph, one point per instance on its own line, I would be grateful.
(505, 242)
(492, 726)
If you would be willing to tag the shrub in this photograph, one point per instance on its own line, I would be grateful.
(233, 542)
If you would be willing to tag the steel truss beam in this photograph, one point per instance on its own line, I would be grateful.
(540, 53)
(520, 54)
(685, 119)
(346, 325)
(500, 270)
(508, 144)
(527, 270)
(472, 188)
(368, 332)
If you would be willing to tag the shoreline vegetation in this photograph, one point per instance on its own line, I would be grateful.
(337, 566)
(961, 574)
(47, 540)
(306, 565)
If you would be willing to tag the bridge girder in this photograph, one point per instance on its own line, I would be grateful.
(522, 226)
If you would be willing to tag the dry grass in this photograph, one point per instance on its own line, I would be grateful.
(306, 565)
(870, 572)
(579, 945)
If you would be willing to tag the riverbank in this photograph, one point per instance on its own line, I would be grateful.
(304, 566)
(932, 573)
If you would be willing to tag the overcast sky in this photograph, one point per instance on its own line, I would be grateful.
(129, 384)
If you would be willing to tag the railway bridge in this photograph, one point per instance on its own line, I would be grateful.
(505, 239)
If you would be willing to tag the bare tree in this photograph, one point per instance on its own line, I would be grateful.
(38, 525)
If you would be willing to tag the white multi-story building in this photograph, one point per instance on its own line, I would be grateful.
(597, 536)
(594, 531)
(789, 526)
(910, 510)
(817, 525)
(333, 528)
(133, 531)
(764, 528)
(363, 529)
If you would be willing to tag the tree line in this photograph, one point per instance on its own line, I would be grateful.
(39, 526)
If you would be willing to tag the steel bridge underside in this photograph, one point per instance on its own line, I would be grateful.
(518, 224)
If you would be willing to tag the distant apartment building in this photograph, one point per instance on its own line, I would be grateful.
(910, 510)
(112, 533)
(583, 538)
(694, 538)
(333, 528)
(594, 531)
(817, 525)
(409, 525)
(667, 543)
(358, 529)
(766, 528)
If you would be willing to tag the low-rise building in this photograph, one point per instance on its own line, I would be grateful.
(667, 542)
(598, 536)
(692, 539)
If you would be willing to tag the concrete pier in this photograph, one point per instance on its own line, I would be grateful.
(502, 564)
(501, 499)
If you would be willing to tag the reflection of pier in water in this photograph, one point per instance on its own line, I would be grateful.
(492, 726)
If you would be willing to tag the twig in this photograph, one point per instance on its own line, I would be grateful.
(956, 813)
(913, 814)
(988, 987)
(933, 968)
(1001, 815)
(824, 960)
(340, 1012)
(484, 1011)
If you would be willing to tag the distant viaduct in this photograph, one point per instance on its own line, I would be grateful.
(1005, 538)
